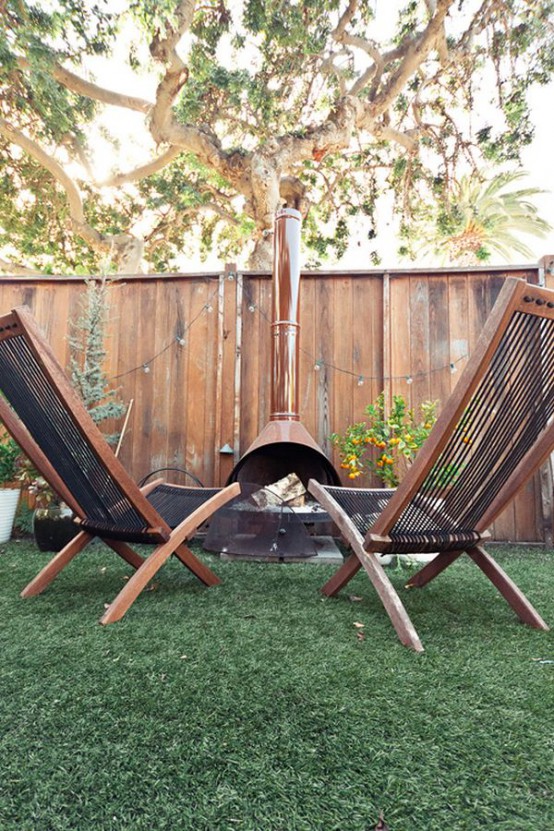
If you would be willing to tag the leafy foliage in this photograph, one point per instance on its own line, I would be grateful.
(478, 218)
(323, 105)
(10, 455)
(387, 441)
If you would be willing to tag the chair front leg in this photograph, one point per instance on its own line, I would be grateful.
(389, 597)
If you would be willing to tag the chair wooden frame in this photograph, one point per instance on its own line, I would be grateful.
(167, 540)
(515, 296)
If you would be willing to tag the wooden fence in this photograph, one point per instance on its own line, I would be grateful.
(193, 354)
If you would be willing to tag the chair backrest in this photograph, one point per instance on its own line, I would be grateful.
(495, 430)
(48, 419)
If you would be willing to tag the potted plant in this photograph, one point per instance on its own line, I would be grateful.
(385, 444)
(10, 488)
(52, 522)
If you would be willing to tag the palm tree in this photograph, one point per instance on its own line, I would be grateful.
(483, 217)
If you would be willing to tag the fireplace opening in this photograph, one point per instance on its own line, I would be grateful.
(274, 461)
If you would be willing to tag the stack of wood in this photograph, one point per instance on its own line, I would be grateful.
(287, 491)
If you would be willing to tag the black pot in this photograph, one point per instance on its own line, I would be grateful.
(53, 528)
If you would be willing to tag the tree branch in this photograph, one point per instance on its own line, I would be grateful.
(126, 248)
(164, 50)
(89, 90)
(144, 170)
(19, 270)
(31, 147)
(345, 19)
(413, 57)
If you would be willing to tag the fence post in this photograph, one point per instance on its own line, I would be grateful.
(387, 358)
(227, 383)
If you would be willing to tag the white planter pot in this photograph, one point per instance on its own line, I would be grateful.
(9, 497)
(418, 558)
(387, 559)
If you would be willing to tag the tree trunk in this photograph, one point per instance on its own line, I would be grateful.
(261, 258)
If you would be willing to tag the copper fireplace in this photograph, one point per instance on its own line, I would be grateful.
(285, 446)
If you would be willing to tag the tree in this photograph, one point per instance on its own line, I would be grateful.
(254, 105)
(87, 342)
(479, 217)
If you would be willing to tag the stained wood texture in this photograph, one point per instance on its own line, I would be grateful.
(365, 331)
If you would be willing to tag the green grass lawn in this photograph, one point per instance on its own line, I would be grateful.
(256, 706)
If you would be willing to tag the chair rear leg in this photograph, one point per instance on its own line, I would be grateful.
(137, 583)
(342, 576)
(196, 566)
(56, 564)
(432, 569)
(128, 594)
(125, 552)
(507, 588)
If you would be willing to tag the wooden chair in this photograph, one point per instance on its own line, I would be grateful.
(49, 421)
(495, 430)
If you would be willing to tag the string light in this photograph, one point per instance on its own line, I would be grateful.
(319, 363)
(145, 366)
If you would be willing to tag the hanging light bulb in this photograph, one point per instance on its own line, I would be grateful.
(146, 369)
(453, 368)
(361, 381)
(409, 380)
(181, 341)
(317, 366)
(209, 308)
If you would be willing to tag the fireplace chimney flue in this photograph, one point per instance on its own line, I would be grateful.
(286, 315)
